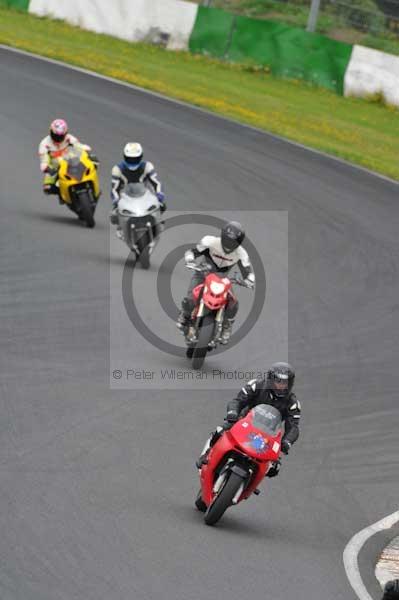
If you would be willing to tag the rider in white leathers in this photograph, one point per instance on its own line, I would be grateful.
(221, 255)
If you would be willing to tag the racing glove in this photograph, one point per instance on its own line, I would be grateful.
(285, 446)
(250, 281)
(249, 284)
(94, 158)
(231, 416)
(161, 196)
(189, 257)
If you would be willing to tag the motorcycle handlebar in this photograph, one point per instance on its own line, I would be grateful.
(197, 268)
(205, 269)
(240, 282)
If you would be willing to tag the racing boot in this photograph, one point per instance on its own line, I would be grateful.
(183, 321)
(113, 215)
(274, 469)
(203, 459)
(50, 183)
(226, 331)
(50, 188)
(184, 318)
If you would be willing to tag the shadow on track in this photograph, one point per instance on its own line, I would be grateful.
(232, 525)
(65, 219)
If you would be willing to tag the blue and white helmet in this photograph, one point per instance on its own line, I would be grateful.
(133, 155)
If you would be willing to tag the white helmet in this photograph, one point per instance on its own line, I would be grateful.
(133, 155)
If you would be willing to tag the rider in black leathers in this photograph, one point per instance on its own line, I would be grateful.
(275, 390)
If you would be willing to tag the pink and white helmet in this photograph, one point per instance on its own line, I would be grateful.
(58, 130)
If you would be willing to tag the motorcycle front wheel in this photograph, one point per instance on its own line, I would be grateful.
(223, 500)
(144, 258)
(204, 338)
(85, 209)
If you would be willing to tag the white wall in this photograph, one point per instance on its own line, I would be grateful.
(130, 20)
(370, 72)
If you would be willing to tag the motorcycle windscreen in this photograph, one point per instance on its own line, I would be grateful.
(135, 190)
(76, 168)
(267, 418)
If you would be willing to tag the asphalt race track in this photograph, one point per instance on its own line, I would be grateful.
(97, 484)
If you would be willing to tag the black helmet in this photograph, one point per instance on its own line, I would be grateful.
(281, 378)
(391, 590)
(232, 236)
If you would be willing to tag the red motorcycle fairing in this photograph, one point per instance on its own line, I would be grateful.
(215, 291)
(242, 440)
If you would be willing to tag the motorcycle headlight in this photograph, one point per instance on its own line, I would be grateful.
(217, 288)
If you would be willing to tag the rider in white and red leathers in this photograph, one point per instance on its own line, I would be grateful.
(221, 254)
(53, 147)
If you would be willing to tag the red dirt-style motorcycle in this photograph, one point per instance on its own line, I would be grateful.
(239, 461)
(211, 297)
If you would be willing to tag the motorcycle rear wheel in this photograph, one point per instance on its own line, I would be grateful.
(205, 336)
(223, 500)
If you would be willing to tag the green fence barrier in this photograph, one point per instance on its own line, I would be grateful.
(20, 4)
(212, 32)
(288, 51)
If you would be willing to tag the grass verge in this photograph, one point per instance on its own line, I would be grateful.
(362, 132)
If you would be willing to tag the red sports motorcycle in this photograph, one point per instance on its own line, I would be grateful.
(239, 461)
(211, 297)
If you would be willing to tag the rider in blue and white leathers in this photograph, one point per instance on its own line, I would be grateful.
(133, 169)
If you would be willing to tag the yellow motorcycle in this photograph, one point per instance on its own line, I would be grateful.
(78, 184)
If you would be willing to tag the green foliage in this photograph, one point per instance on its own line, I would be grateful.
(387, 42)
(361, 14)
